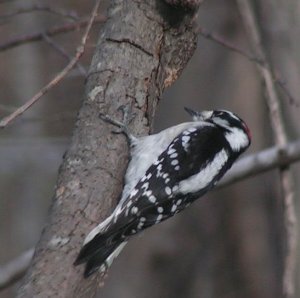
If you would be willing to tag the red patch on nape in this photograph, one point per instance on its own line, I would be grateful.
(247, 131)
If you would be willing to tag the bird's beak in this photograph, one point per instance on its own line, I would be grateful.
(191, 112)
(199, 116)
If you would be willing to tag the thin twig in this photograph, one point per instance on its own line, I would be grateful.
(225, 43)
(272, 98)
(23, 39)
(40, 7)
(79, 52)
(228, 45)
(287, 92)
(15, 269)
(248, 166)
(62, 51)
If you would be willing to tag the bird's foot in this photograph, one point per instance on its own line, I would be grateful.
(123, 126)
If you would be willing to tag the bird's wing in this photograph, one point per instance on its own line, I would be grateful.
(160, 193)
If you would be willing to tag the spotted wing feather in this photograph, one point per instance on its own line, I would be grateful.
(157, 195)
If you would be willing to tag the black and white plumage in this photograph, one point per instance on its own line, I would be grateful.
(166, 173)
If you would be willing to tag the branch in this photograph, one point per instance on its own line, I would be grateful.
(23, 39)
(228, 45)
(272, 98)
(40, 7)
(62, 52)
(79, 52)
(15, 269)
(261, 162)
(132, 64)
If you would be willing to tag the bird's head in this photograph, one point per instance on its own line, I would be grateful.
(235, 129)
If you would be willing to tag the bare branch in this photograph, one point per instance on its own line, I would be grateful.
(137, 80)
(286, 91)
(62, 51)
(40, 7)
(261, 162)
(272, 98)
(224, 43)
(80, 50)
(15, 269)
(228, 45)
(23, 39)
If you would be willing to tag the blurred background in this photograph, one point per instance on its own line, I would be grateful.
(226, 245)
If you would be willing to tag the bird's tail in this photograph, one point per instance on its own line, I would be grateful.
(98, 255)
(103, 244)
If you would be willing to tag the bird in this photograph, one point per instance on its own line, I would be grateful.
(167, 172)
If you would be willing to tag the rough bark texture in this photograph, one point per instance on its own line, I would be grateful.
(142, 48)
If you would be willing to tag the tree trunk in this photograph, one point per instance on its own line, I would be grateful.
(142, 49)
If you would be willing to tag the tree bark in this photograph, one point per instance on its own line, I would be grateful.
(142, 48)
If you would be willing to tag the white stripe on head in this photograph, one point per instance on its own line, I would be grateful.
(221, 122)
(231, 115)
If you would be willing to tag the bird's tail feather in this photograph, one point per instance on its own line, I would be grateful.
(105, 246)
(96, 262)
(99, 253)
